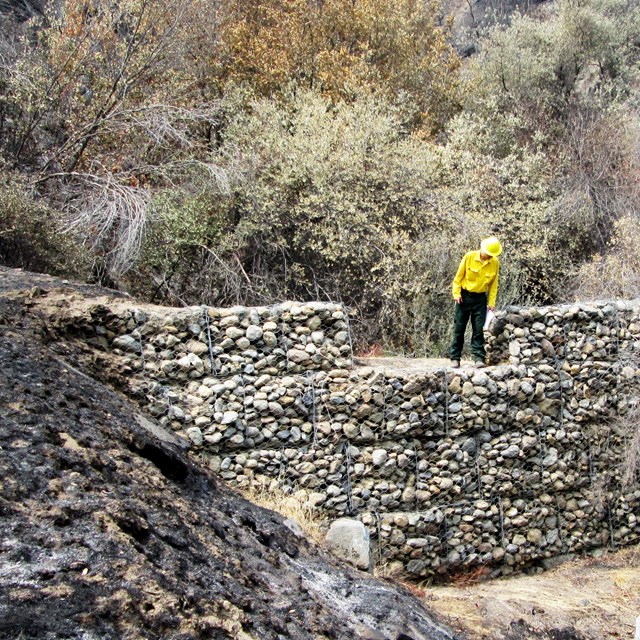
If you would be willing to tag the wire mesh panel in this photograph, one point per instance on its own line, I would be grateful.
(451, 469)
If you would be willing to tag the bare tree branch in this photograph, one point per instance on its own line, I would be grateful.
(112, 216)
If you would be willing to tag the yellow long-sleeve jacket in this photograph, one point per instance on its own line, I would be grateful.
(477, 276)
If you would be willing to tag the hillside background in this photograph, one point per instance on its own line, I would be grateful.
(249, 151)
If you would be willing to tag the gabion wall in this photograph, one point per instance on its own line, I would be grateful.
(451, 469)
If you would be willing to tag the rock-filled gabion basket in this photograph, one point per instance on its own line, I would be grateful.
(504, 467)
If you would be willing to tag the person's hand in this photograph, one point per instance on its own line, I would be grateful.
(491, 309)
(458, 300)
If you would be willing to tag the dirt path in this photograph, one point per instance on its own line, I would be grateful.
(585, 599)
(409, 365)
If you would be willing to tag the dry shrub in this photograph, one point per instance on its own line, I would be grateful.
(417, 590)
(601, 183)
(294, 505)
(617, 275)
(466, 577)
(371, 351)
(30, 232)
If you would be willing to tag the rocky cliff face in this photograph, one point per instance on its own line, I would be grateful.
(108, 530)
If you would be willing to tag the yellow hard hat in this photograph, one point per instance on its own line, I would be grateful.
(491, 246)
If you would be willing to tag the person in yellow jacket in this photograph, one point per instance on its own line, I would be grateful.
(474, 289)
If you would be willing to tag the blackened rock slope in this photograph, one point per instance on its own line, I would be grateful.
(107, 531)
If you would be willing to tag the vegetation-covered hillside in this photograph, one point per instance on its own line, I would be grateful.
(248, 151)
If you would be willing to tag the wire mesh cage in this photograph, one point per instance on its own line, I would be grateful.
(451, 469)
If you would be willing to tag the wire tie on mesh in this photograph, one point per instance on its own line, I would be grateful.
(477, 464)
(415, 456)
(610, 522)
(446, 404)
(350, 336)
(347, 447)
(384, 404)
(284, 344)
(140, 324)
(560, 381)
(282, 468)
(591, 460)
(318, 405)
(165, 394)
(559, 516)
(205, 311)
(376, 515)
(618, 355)
(445, 524)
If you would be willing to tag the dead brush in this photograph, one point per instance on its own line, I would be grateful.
(468, 577)
(294, 505)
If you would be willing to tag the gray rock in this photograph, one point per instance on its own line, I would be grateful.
(317, 337)
(243, 343)
(127, 343)
(298, 356)
(197, 347)
(512, 451)
(526, 388)
(379, 457)
(261, 406)
(551, 458)
(234, 333)
(195, 435)
(275, 409)
(349, 540)
(254, 333)
(270, 339)
(229, 417)
(469, 446)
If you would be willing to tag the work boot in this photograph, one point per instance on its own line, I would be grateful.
(455, 364)
(479, 364)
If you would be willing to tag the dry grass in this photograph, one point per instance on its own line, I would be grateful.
(295, 506)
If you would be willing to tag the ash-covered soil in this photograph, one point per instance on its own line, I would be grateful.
(109, 530)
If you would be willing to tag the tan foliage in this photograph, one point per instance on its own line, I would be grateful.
(109, 65)
(342, 47)
(293, 505)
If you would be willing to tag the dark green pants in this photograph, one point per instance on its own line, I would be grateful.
(474, 307)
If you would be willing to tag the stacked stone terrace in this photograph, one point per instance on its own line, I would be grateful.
(451, 469)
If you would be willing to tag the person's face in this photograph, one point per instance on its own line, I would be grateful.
(484, 256)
